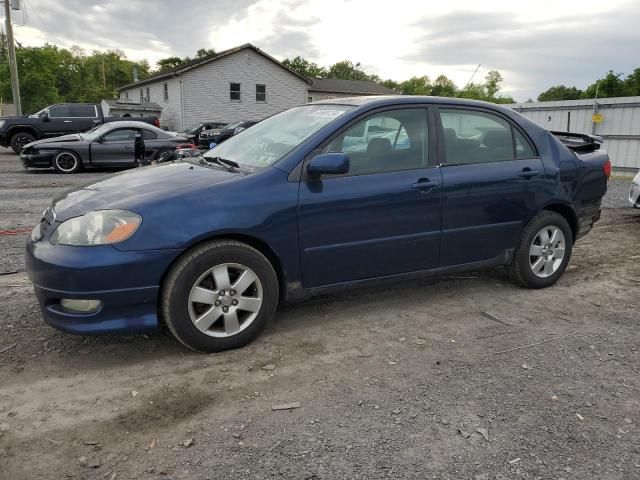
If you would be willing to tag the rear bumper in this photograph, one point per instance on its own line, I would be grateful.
(126, 283)
(36, 160)
(587, 217)
(634, 195)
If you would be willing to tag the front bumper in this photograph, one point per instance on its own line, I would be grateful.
(127, 284)
(37, 160)
(634, 195)
(4, 139)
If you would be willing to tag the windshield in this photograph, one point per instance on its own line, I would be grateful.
(96, 132)
(193, 128)
(39, 113)
(268, 141)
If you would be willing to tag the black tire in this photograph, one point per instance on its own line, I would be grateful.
(184, 275)
(66, 161)
(165, 156)
(19, 140)
(520, 269)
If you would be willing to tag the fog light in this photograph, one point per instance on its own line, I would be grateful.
(80, 306)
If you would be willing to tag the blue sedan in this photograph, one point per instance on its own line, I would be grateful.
(334, 194)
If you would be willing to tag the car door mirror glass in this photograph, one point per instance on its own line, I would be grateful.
(328, 164)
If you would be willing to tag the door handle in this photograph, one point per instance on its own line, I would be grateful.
(127, 147)
(67, 121)
(528, 173)
(425, 185)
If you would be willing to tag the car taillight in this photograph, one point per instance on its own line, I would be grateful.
(607, 168)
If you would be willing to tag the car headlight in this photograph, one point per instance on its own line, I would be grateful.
(101, 227)
(1, 123)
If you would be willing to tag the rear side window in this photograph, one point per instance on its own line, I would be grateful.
(479, 137)
(58, 111)
(85, 111)
(120, 135)
(148, 135)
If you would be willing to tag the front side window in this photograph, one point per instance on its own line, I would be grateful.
(271, 139)
(120, 135)
(385, 142)
(480, 137)
(166, 92)
(60, 111)
(261, 93)
(234, 92)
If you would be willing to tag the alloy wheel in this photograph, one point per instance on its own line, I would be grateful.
(547, 251)
(66, 162)
(225, 300)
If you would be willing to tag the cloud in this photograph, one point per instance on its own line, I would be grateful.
(534, 44)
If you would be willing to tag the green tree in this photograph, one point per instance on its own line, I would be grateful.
(168, 63)
(347, 70)
(612, 85)
(305, 67)
(416, 86)
(560, 92)
(205, 52)
(444, 87)
(392, 85)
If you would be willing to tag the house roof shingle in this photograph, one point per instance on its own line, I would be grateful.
(334, 85)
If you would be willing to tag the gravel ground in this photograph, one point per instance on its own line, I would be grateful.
(462, 377)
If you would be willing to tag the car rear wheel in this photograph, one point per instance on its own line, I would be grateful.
(19, 140)
(220, 295)
(544, 251)
(67, 162)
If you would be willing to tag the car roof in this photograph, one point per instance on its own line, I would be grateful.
(384, 100)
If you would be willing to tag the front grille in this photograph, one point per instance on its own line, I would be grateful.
(49, 215)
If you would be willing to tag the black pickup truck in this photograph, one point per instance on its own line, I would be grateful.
(56, 120)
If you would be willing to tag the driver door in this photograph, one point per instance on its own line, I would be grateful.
(115, 148)
(60, 121)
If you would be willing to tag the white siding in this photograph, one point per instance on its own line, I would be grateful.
(171, 117)
(206, 89)
(620, 127)
(317, 96)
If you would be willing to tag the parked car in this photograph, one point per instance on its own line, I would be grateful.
(108, 145)
(212, 245)
(193, 132)
(210, 138)
(634, 192)
(56, 120)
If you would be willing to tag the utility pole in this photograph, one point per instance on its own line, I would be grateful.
(13, 66)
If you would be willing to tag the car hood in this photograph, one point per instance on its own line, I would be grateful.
(135, 189)
(64, 138)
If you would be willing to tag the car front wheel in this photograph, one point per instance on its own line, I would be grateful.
(67, 162)
(544, 251)
(220, 295)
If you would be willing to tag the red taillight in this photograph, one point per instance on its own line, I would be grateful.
(607, 168)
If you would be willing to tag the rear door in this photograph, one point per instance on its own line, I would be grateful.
(383, 216)
(114, 148)
(493, 182)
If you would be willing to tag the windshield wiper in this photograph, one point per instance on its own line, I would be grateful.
(223, 162)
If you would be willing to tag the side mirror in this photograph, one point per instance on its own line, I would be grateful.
(45, 116)
(328, 164)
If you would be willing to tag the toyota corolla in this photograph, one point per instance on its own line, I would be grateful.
(334, 194)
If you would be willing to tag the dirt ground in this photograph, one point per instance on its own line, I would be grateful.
(422, 380)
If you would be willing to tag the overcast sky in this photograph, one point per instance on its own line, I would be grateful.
(535, 44)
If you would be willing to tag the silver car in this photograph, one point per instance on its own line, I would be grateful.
(108, 145)
(634, 193)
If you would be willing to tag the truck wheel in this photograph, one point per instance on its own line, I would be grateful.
(219, 295)
(544, 251)
(19, 140)
(66, 161)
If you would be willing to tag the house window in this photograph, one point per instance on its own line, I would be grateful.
(234, 91)
(261, 93)
(166, 92)
(148, 95)
(141, 95)
(309, 99)
(126, 96)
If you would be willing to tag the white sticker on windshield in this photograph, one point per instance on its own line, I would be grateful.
(326, 113)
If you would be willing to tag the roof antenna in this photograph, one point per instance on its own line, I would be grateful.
(471, 78)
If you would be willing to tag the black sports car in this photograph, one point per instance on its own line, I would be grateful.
(211, 138)
(109, 145)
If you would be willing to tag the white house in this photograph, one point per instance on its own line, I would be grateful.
(242, 83)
